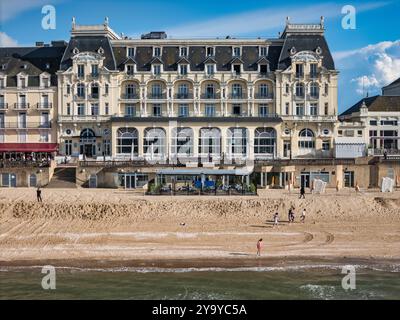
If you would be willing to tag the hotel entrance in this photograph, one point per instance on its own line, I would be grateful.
(87, 143)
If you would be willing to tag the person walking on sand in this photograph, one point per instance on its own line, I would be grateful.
(276, 218)
(39, 194)
(303, 216)
(259, 245)
(292, 216)
(302, 193)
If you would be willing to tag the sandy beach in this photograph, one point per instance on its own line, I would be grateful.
(103, 227)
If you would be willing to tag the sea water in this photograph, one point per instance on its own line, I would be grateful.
(318, 282)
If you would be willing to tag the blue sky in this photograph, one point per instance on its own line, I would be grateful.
(367, 57)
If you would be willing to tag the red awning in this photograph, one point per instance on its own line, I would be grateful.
(28, 147)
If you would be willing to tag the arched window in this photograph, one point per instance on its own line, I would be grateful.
(154, 142)
(237, 90)
(263, 90)
(182, 141)
(130, 91)
(210, 91)
(306, 139)
(210, 142)
(127, 141)
(299, 89)
(265, 141)
(80, 90)
(314, 90)
(237, 142)
(87, 135)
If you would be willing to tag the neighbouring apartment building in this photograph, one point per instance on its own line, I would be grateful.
(130, 111)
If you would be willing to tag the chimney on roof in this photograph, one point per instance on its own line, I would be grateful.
(39, 44)
(287, 20)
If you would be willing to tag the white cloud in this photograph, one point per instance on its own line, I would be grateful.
(262, 20)
(10, 9)
(7, 41)
(380, 64)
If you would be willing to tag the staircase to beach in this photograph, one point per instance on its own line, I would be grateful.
(63, 178)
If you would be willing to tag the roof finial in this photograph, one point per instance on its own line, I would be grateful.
(287, 20)
(322, 21)
(73, 23)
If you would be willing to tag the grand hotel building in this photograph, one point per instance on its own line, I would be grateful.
(124, 111)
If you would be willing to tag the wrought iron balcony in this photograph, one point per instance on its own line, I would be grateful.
(21, 105)
(211, 96)
(184, 95)
(25, 125)
(130, 96)
(3, 106)
(44, 105)
(268, 95)
(238, 96)
(157, 96)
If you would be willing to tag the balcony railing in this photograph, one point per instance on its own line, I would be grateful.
(211, 96)
(93, 96)
(313, 96)
(130, 96)
(238, 96)
(299, 96)
(79, 97)
(184, 95)
(3, 106)
(264, 96)
(25, 125)
(21, 105)
(157, 96)
(44, 105)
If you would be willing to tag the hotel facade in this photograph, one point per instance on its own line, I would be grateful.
(122, 112)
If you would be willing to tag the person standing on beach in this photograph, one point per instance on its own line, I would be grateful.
(259, 245)
(276, 218)
(303, 216)
(290, 215)
(302, 193)
(39, 194)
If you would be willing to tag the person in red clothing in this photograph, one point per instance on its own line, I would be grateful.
(259, 245)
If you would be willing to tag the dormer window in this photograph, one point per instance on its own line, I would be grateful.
(75, 51)
(24, 66)
(45, 82)
(2, 82)
(264, 68)
(299, 70)
(313, 70)
(183, 69)
(100, 51)
(210, 52)
(263, 51)
(130, 69)
(130, 52)
(236, 51)
(318, 50)
(3, 66)
(157, 69)
(23, 81)
(210, 69)
(157, 52)
(183, 52)
(236, 69)
(47, 65)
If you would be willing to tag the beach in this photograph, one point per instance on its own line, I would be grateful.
(115, 228)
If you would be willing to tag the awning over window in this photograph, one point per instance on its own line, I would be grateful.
(28, 147)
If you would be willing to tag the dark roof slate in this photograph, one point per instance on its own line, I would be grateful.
(376, 103)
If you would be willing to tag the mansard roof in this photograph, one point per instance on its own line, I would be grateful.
(376, 104)
(304, 42)
(89, 44)
(32, 61)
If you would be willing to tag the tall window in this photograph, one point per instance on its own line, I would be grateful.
(210, 91)
(209, 110)
(157, 110)
(127, 141)
(130, 69)
(263, 110)
(183, 69)
(264, 141)
(183, 91)
(237, 141)
(313, 70)
(95, 90)
(95, 70)
(314, 90)
(81, 70)
(94, 109)
(154, 142)
(184, 52)
(263, 90)
(237, 90)
(156, 91)
(157, 51)
(210, 142)
(314, 109)
(80, 90)
(182, 141)
(183, 110)
(299, 70)
(130, 110)
(236, 51)
(68, 147)
(210, 69)
(263, 51)
(131, 52)
(210, 52)
(157, 69)
(80, 109)
(130, 91)
(300, 90)
(299, 109)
